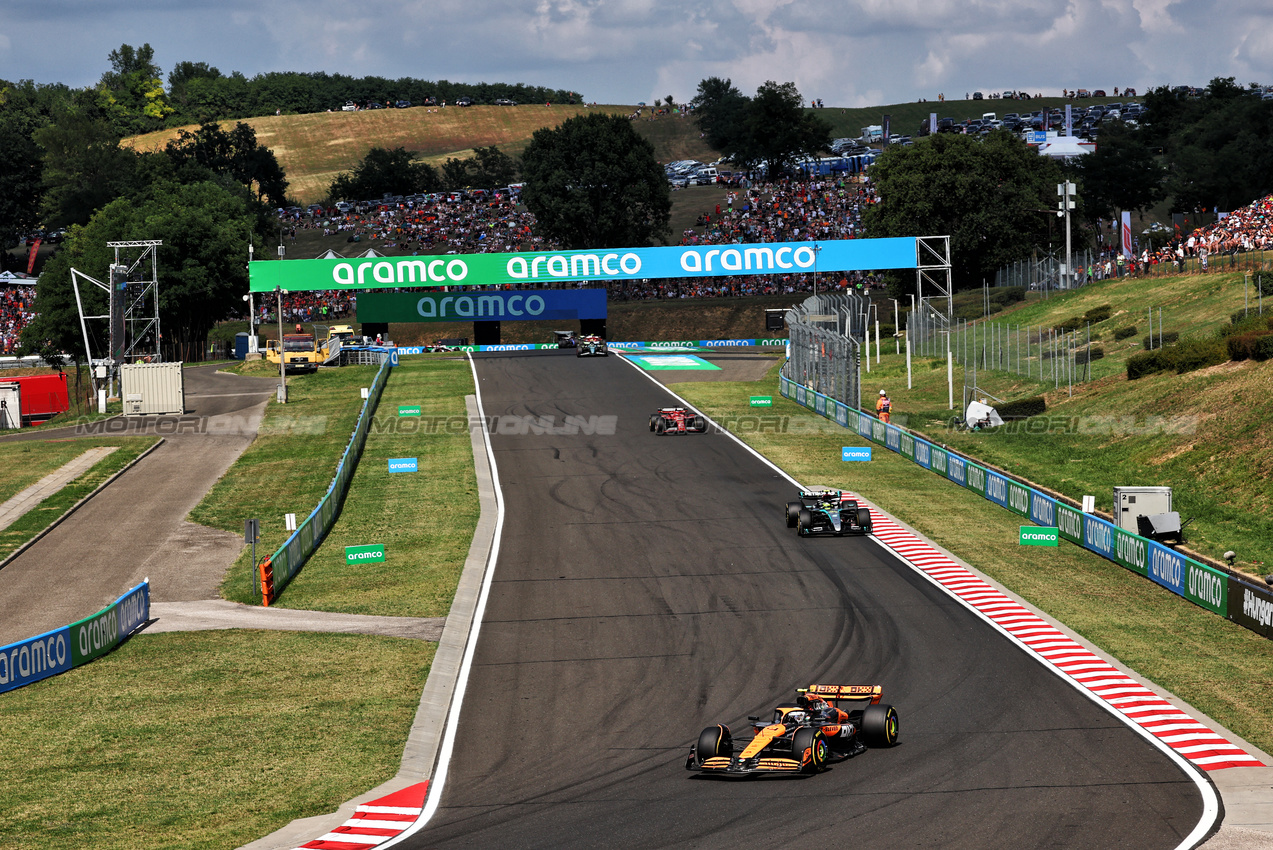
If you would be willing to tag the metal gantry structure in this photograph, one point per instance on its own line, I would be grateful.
(132, 319)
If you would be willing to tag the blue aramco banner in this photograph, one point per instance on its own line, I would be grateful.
(499, 305)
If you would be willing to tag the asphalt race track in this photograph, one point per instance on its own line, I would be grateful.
(647, 587)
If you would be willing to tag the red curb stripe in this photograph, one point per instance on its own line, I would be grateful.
(1192, 739)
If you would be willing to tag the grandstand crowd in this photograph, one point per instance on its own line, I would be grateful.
(818, 208)
(16, 311)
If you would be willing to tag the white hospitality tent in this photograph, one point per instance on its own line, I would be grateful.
(1063, 147)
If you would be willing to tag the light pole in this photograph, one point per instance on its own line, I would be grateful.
(897, 326)
(1066, 192)
(252, 346)
(282, 357)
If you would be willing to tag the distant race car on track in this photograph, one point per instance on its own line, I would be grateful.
(676, 420)
(826, 724)
(826, 511)
(591, 346)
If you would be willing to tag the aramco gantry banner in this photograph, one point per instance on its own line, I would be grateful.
(840, 255)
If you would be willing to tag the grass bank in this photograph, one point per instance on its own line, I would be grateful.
(1204, 433)
(1223, 669)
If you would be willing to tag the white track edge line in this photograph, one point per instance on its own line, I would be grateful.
(1211, 807)
(438, 781)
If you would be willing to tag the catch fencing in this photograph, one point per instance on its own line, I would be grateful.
(1046, 274)
(1057, 356)
(825, 351)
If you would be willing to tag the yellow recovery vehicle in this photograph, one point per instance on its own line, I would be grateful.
(299, 351)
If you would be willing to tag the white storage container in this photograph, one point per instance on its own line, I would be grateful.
(152, 388)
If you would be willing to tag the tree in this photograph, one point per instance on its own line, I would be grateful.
(1121, 174)
(488, 168)
(84, 168)
(773, 128)
(133, 91)
(1217, 149)
(205, 229)
(721, 112)
(235, 154)
(993, 196)
(779, 130)
(385, 172)
(20, 169)
(592, 182)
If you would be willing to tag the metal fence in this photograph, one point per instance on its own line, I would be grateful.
(1049, 355)
(1045, 274)
(825, 331)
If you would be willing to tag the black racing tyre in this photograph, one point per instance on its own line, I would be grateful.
(713, 741)
(811, 740)
(699, 424)
(804, 520)
(880, 725)
(864, 519)
(793, 513)
(654, 420)
(660, 426)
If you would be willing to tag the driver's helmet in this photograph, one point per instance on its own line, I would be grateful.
(795, 718)
(830, 499)
(819, 710)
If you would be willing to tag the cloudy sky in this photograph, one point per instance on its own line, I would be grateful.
(846, 52)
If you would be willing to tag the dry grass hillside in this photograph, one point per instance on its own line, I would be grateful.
(313, 149)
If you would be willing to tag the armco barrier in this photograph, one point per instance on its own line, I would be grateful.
(295, 551)
(70, 646)
(1222, 593)
(616, 346)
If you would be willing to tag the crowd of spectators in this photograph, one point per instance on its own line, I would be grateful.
(790, 211)
(16, 312)
(1245, 230)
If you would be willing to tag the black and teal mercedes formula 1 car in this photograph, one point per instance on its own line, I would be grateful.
(826, 511)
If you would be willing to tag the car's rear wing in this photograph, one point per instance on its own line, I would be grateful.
(835, 693)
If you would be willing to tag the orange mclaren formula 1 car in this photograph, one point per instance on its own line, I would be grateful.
(826, 724)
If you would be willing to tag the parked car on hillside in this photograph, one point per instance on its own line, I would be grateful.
(503, 101)
(464, 101)
(349, 106)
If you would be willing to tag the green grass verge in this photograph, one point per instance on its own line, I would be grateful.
(290, 464)
(204, 739)
(1217, 666)
(25, 463)
(425, 519)
(1203, 433)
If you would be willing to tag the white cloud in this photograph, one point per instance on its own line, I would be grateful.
(859, 52)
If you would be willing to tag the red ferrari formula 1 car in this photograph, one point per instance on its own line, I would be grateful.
(826, 724)
(676, 420)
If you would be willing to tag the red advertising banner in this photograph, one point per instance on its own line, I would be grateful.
(35, 247)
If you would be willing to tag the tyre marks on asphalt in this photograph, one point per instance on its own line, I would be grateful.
(1193, 740)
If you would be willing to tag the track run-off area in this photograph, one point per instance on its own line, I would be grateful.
(647, 586)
